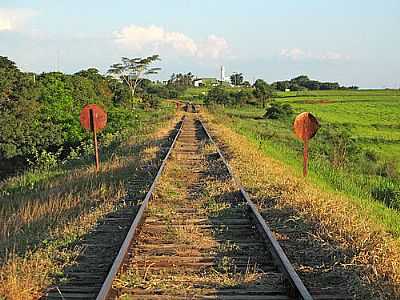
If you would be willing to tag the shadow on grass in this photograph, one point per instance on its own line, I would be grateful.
(134, 178)
(324, 265)
(102, 243)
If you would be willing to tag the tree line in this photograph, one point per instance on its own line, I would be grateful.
(303, 83)
(39, 113)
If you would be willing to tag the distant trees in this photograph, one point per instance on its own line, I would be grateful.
(262, 91)
(42, 115)
(302, 82)
(181, 80)
(133, 70)
(220, 95)
(237, 79)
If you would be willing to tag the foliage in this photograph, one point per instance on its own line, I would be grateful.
(39, 117)
(147, 87)
(217, 95)
(181, 80)
(262, 91)
(229, 96)
(336, 144)
(277, 111)
(355, 149)
(302, 82)
(237, 79)
(133, 70)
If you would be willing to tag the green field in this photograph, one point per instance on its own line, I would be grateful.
(371, 116)
(370, 120)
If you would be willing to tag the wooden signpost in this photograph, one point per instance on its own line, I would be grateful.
(305, 127)
(94, 118)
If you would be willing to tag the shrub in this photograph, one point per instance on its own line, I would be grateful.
(217, 95)
(278, 111)
(337, 145)
(151, 101)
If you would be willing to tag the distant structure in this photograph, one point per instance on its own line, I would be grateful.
(222, 78)
(198, 82)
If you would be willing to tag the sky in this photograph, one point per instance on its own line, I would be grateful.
(353, 42)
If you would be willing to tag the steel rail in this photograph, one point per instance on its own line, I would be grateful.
(123, 251)
(298, 289)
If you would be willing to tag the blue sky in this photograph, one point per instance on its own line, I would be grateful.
(352, 42)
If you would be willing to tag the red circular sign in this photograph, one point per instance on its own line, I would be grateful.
(305, 126)
(99, 117)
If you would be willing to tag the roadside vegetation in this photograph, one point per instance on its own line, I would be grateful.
(50, 194)
(354, 151)
(355, 234)
(44, 221)
(39, 113)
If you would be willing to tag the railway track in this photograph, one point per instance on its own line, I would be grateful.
(182, 245)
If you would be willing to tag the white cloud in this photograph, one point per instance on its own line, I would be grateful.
(294, 53)
(213, 47)
(12, 19)
(158, 39)
(298, 54)
(330, 55)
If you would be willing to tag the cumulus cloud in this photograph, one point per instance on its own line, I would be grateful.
(298, 54)
(14, 19)
(213, 47)
(158, 39)
(294, 53)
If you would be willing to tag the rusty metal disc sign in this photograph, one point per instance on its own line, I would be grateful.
(94, 118)
(99, 117)
(305, 127)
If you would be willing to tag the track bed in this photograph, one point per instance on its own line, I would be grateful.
(200, 237)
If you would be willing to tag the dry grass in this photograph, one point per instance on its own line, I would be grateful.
(181, 188)
(338, 219)
(41, 225)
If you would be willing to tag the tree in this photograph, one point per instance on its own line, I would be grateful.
(133, 70)
(181, 80)
(237, 78)
(218, 95)
(246, 84)
(262, 91)
(242, 97)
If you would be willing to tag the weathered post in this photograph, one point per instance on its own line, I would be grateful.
(94, 118)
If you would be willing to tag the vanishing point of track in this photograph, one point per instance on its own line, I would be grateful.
(149, 248)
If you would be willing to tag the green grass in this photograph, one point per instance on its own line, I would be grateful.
(371, 116)
(371, 119)
(46, 212)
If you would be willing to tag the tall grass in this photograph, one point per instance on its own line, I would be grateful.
(356, 227)
(358, 178)
(44, 212)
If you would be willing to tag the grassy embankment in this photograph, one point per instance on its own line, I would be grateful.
(44, 213)
(370, 118)
(356, 233)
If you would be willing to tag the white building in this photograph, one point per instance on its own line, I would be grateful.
(198, 82)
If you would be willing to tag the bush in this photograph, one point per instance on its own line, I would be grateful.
(336, 144)
(151, 101)
(278, 111)
(217, 95)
